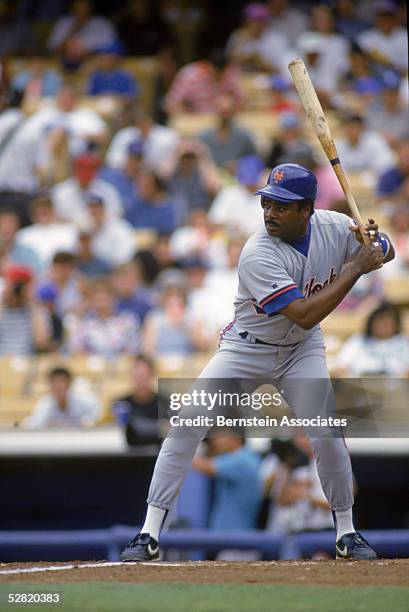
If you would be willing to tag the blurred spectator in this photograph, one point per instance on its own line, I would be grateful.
(389, 116)
(23, 323)
(158, 141)
(109, 78)
(169, 330)
(154, 208)
(31, 148)
(284, 473)
(367, 292)
(11, 112)
(37, 81)
(400, 237)
(47, 297)
(382, 350)
(101, 331)
(361, 79)
(286, 19)
(191, 176)
(387, 42)
(235, 468)
(290, 142)
(227, 141)
(325, 51)
(47, 235)
(16, 36)
(17, 252)
(280, 100)
(362, 150)
(63, 277)
(297, 501)
(141, 29)
(197, 85)
(70, 196)
(21, 155)
(392, 181)
(83, 127)
(130, 294)
(148, 266)
(137, 411)
(329, 193)
(235, 206)
(198, 238)
(347, 19)
(88, 264)
(254, 47)
(124, 178)
(221, 282)
(64, 405)
(77, 35)
(113, 238)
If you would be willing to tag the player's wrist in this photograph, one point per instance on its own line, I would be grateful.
(354, 270)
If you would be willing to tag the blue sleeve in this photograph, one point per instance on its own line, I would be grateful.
(282, 299)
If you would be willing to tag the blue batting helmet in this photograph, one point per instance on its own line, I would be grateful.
(290, 183)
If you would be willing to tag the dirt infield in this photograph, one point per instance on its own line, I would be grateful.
(336, 573)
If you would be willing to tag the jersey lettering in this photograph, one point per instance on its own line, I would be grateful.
(313, 287)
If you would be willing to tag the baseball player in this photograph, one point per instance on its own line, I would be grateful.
(292, 274)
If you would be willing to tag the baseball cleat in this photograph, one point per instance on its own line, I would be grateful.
(354, 546)
(141, 548)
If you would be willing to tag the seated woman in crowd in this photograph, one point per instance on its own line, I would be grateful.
(102, 331)
(382, 350)
(169, 330)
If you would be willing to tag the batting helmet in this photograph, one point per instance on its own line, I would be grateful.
(290, 183)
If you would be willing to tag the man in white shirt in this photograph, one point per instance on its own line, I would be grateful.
(287, 20)
(47, 235)
(113, 239)
(361, 150)
(158, 142)
(70, 196)
(82, 125)
(28, 150)
(387, 41)
(255, 47)
(77, 35)
(234, 205)
(64, 406)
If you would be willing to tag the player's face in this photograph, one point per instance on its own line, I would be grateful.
(286, 221)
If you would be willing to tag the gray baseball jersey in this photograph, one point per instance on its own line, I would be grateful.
(272, 273)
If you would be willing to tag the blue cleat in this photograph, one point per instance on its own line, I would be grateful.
(354, 546)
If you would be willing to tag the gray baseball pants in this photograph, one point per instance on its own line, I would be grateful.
(295, 365)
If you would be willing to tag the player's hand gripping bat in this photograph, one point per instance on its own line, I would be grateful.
(315, 114)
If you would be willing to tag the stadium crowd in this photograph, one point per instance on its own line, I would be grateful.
(125, 201)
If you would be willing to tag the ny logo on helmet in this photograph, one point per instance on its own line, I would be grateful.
(278, 176)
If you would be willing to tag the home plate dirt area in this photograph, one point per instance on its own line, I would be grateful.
(383, 572)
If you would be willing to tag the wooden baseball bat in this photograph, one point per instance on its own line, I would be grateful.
(315, 114)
